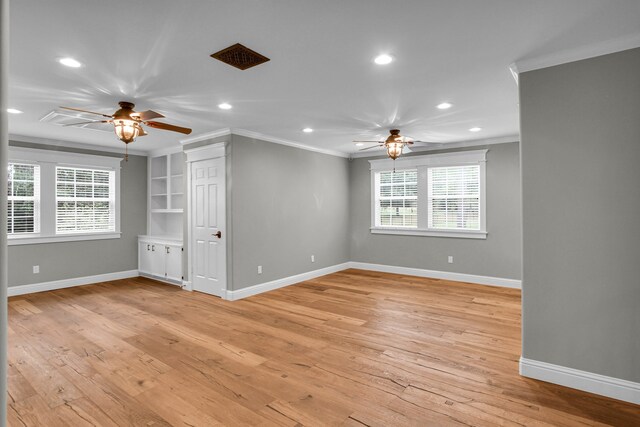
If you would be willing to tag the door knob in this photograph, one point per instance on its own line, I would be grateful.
(218, 234)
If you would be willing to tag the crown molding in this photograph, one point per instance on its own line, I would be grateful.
(69, 144)
(570, 55)
(262, 137)
(207, 135)
(268, 138)
(446, 146)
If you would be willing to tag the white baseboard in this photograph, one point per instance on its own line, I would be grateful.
(187, 285)
(286, 281)
(281, 283)
(68, 283)
(582, 380)
(434, 274)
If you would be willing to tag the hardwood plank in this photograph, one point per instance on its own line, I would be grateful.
(354, 348)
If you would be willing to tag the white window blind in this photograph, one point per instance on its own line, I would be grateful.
(397, 198)
(454, 197)
(23, 194)
(85, 200)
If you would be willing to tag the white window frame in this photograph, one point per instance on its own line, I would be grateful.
(422, 164)
(48, 160)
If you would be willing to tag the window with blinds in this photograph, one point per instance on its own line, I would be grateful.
(397, 198)
(454, 197)
(85, 200)
(23, 194)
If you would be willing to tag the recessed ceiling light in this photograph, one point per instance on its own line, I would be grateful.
(475, 129)
(383, 59)
(225, 106)
(13, 111)
(444, 106)
(307, 130)
(359, 144)
(70, 62)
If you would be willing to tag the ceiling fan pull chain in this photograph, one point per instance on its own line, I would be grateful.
(126, 152)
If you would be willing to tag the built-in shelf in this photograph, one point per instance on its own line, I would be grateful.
(166, 197)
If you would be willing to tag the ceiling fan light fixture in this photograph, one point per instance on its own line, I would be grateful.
(126, 130)
(394, 149)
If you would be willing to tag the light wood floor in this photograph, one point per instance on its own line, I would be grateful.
(353, 348)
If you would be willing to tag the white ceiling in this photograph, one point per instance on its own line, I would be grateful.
(321, 74)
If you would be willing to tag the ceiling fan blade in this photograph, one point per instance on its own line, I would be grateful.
(86, 123)
(167, 126)
(142, 133)
(372, 142)
(369, 148)
(86, 111)
(147, 115)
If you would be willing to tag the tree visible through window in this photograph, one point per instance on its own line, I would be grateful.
(23, 194)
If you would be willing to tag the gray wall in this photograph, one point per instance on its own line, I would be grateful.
(580, 129)
(87, 258)
(286, 204)
(497, 256)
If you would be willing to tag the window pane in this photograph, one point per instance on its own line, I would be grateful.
(64, 174)
(65, 189)
(23, 196)
(454, 197)
(101, 177)
(397, 199)
(23, 224)
(23, 188)
(85, 201)
(23, 172)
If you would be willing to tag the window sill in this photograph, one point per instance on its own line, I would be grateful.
(431, 233)
(34, 240)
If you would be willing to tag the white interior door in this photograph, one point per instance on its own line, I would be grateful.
(208, 231)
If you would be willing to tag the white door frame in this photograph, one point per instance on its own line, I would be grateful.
(206, 152)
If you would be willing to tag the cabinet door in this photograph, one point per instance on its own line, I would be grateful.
(157, 259)
(144, 257)
(173, 263)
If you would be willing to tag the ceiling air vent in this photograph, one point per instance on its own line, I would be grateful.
(68, 118)
(240, 56)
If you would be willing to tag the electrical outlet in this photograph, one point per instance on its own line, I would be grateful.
(259, 269)
(313, 258)
(450, 259)
(36, 269)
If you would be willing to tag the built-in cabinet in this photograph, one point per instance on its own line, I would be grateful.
(160, 259)
(160, 250)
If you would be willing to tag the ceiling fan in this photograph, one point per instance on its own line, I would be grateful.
(128, 123)
(394, 143)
